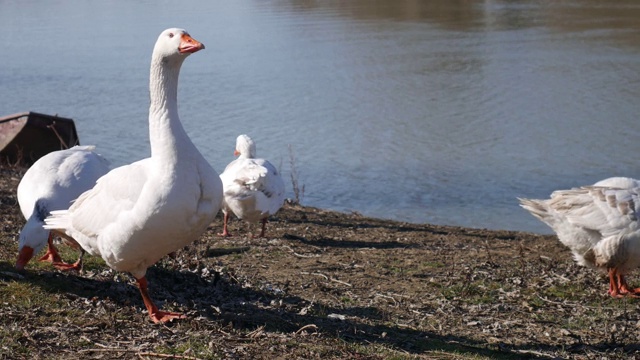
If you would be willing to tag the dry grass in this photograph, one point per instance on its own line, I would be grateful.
(324, 286)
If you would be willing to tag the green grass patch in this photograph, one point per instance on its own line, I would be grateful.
(569, 291)
(432, 264)
(471, 293)
(25, 295)
(194, 347)
(12, 344)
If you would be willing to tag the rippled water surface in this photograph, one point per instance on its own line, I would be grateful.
(422, 111)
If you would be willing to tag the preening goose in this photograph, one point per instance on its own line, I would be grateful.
(53, 182)
(599, 223)
(140, 212)
(253, 187)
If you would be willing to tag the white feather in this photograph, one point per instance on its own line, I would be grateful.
(599, 223)
(53, 182)
(138, 213)
(253, 187)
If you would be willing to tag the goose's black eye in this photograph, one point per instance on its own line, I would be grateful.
(170, 35)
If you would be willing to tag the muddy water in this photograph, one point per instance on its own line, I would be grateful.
(423, 111)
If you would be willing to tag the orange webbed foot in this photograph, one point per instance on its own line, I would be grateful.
(623, 288)
(161, 317)
(52, 257)
(156, 315)
(61, 265)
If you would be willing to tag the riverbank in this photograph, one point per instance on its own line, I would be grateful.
(324, 285)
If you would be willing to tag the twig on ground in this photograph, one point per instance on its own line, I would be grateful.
(169, 356)
(531, 352)
(326, 278)
(316, 274)
(308, 326)
(257, 332)
(141, 353)
(395, 302)
(300, 255)
(341, 282)
(570, 304)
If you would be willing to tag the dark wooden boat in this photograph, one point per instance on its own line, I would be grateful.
(26, 137)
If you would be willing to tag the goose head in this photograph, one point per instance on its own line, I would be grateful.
(31, 240)
(245, 147)
(175, 44)
(171, 48)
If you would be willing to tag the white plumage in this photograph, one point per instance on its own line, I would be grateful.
(53, 182)
(599, 223)
(253, 187)
(140, 212)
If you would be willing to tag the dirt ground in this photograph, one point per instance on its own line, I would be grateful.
(324, 285)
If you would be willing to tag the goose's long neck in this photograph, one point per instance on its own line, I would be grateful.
(166, 133)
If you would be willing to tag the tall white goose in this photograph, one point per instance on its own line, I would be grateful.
(599, 223)
(140, 212)
(253, 188)
(53, 182)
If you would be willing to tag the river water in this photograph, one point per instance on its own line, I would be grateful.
(434, 111)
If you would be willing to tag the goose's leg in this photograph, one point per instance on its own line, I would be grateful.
(264, 226)
(51, 255)
(624, 288)
(614, 286)
(225, 231)
(156, 315)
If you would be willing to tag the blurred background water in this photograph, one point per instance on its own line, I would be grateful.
(437, 111)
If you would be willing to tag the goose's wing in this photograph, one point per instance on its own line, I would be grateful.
(272, 185)
(246, 173)
(104, 205)
(60, 177)
(606, 210)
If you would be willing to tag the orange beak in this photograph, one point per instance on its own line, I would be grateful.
(189, 44)
(236, 153)
(23, 257)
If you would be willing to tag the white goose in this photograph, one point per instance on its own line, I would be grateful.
(140, 212)
(253, 188)
(53, 182)
(599, 223)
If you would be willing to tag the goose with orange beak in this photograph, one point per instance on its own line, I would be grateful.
(53, 182)
(140, 212)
